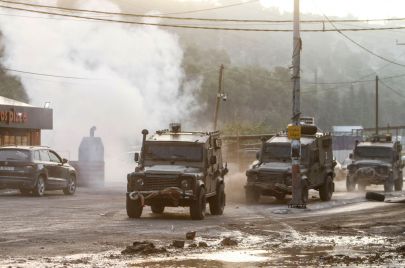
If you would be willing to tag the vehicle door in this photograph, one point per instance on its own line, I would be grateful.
(59, 170)
(49, 167)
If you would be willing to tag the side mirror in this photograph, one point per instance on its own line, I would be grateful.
(225, 170)
(258, 153)
(64, 160)
(351, 155)
(213, 160)
(136, 157)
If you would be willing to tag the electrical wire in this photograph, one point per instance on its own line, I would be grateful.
(163, 16)
(196, 27)
(393, 90)
(47, 75)
(363, 47)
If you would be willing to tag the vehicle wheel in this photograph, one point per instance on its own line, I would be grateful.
(134, 208)
(157, 209)
(361, 187)
(71, 187)
(399, 183)
(217, 202)
(252, 196)
(326, 190)
(350, 184)
(197, 207)
(388, 185)
(304, 194)
(24, 191)
(39, 188)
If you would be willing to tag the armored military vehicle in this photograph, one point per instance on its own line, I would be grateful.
(271, 174)
(376, 161)
(177, 168)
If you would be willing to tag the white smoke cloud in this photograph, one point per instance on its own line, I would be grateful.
(137, 72)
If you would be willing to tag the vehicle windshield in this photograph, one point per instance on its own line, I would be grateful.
(280, 152)
(174, 152)
(14, 155)
(373, 153)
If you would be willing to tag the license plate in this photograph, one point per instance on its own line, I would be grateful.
(6, 168)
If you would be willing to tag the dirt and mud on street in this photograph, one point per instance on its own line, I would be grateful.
(91, 229)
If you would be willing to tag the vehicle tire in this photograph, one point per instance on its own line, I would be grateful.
(304, 194)
(252, 196)
(197, 207)
(388, 186)
(350, 184)
(217, 202)
(134, 208)
(25, 191)
(157, 209)
(71, 187)
(326, 190)
(375, 196)
(39, 189)
(399, 183)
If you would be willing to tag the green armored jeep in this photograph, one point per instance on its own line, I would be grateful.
(376, 161)
(178, 168)
(271, 174)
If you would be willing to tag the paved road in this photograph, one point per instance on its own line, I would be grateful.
(95, 221)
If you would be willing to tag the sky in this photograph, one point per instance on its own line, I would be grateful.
(365, 9)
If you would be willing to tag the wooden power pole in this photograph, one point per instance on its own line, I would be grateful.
(220, 96)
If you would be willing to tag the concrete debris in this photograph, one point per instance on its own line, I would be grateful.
(178, 243)
(229, 242)
(143, 248)
(190, 235)
(202, 244)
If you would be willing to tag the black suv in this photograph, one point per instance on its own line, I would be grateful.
(35, 169)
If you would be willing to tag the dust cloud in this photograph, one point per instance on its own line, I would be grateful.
(234, 185)
(132, 78)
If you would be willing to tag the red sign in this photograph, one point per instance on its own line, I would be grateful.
(13, 117)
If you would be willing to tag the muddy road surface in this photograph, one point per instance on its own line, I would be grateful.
(91, 229)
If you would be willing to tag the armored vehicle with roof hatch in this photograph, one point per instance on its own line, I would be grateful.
(177, 168)
(376, 161)
(271, 174)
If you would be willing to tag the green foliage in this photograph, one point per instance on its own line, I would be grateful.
(11, 87)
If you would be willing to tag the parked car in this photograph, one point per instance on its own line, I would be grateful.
(35, 169)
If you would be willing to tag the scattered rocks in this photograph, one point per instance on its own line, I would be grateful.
(190, 235)
(143, 248)
(193, 245)
(401, 249)
(229, 242)
(202, 244)
(178, 243)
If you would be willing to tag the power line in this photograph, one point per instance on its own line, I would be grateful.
(363, 47)
(197, 27)
(393, 90)
(210, 9)
(47, 75)
(163, 16)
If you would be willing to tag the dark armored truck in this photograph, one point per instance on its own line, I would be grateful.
(271, 174)
(376, 161)
(178, 168)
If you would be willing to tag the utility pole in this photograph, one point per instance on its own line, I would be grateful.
(220, 96)
(297, 187)
(376, 105)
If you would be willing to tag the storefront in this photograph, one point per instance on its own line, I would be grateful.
(21, 123)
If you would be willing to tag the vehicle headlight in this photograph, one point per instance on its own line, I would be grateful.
(184, 184)
(139, 182)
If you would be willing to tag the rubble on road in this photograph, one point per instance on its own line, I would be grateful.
(229, 242)
(143, 248)
(190, 235)
(178, 243)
